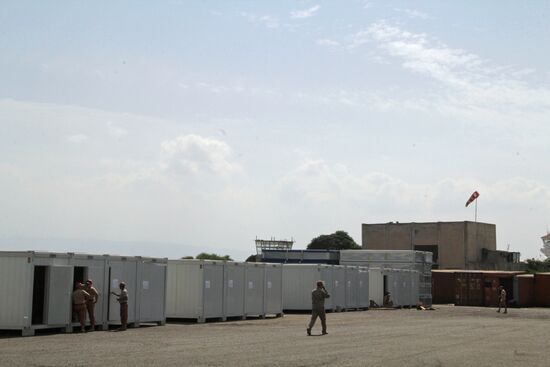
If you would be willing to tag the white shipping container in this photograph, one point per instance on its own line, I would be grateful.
(376, 286)
(338, 287)
(299, 280)
(273, 289)
(234, 291)
(195, 289)
(36, 289)
(352, 287)
(363, 288)
(151, 290)
(254, 289)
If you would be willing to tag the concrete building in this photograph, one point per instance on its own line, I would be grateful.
(454, 245)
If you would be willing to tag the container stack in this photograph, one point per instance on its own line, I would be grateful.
(40, 286)
(418, 261)
(207, 289)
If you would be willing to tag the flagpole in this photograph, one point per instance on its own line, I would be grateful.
(475, 217)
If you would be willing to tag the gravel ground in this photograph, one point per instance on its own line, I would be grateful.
(448, 336)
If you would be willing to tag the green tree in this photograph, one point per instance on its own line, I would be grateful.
(252, 258)
(538, 266)
(339, 240)
(207, 256)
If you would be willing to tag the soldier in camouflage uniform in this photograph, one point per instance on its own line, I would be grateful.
(318, 296)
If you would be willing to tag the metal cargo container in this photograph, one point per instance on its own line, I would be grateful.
(151, 290)
(352, 287)
(376, 286)
(542, 289)
(339, 287)
(405, 287)
(234, 289)
(254, 289)
(524, 290)
(40, 287)
(443, 286)
(122, 269)
(93, 267)
(391, 285)
(273, 289)
(299, 280)
(195, 289)
(363, 300)
(415, 287)
(468, 288)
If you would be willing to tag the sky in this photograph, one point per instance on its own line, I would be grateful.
(170, 128)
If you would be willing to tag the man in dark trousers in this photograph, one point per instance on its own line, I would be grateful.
(318, 296)
(122, 298)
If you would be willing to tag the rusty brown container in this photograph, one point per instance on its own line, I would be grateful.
(443, 286)
(492, 280)
(469, 288)
(542, 289)
(525, 284)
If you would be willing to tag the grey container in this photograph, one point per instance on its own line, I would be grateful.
(254, 289)
(273, 289)
(234, 289)
(352, 287)
(376, 286)
(299, 280)
(36, 289)
(195, 289)
(363, 300)
(338, 287)
(151, 290)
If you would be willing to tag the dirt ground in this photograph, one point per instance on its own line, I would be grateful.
(448, 336)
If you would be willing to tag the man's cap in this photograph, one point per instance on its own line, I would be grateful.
(122, 283)
(89, 281)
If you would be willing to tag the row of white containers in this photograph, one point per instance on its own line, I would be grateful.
(350, 287)
(203, 289)
(419, 261)
(36, 289)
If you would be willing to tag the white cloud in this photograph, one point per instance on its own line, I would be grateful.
(327, 42)
(306, 13)
(193, 154)
(268, 21)
(412, 13)
(77, 138)
(116, 131)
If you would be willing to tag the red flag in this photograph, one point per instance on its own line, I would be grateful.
(474, 196)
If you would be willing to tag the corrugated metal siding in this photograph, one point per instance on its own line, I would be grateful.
(443, 287)
(15, 290)
(469, 289)
(542, 289)
(526, 290)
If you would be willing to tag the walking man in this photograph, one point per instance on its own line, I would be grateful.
(318, 297)
(90, 304)
(122, 298)
(80, 297)
(502, 299)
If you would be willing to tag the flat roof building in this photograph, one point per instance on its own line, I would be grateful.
(454, 245)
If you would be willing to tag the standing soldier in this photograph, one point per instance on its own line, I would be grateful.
(122, 298)
(90, 304)
(318, 297)
(502, 299)
(80, 297)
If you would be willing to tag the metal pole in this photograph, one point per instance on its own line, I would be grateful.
(475, 218)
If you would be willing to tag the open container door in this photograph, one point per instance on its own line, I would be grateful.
(59, 291)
